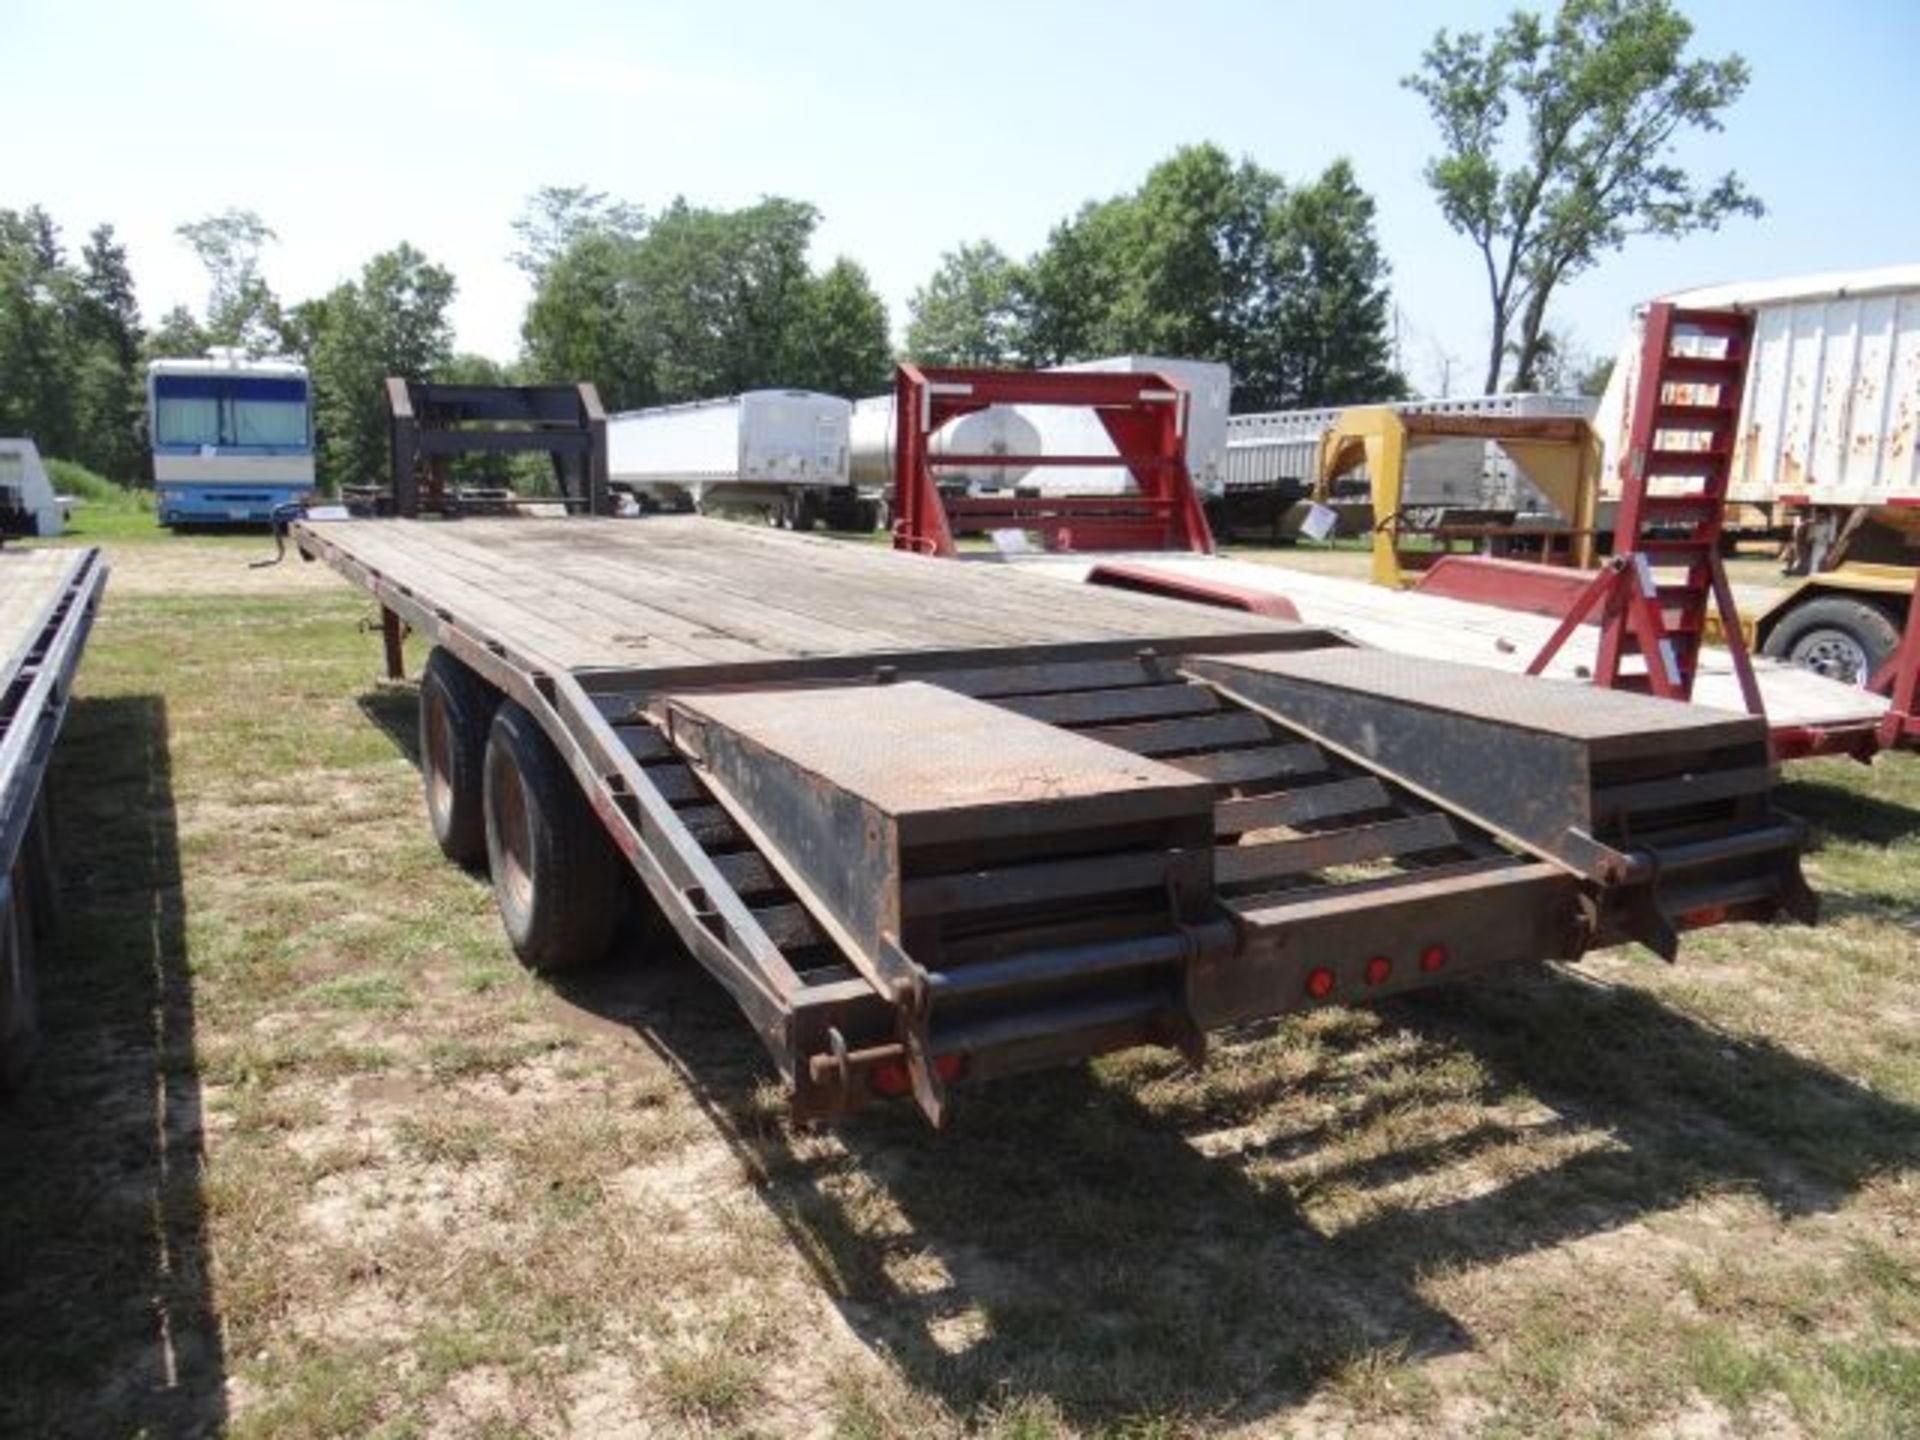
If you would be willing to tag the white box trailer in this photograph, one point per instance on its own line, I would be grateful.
(28, 505)
(782, 453)
(1833, 390)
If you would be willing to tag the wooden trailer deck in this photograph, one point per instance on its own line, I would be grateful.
(675, 593)
(936, 822)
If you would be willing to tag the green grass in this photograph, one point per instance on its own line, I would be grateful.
(310, 1155)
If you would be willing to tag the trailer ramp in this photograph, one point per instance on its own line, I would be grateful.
(1022, 872)
(1666, 807)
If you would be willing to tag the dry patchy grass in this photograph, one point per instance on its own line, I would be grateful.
(311, 1156)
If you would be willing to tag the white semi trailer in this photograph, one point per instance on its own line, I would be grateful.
(781, 454)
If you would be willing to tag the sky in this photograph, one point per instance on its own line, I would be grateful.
(351, 126)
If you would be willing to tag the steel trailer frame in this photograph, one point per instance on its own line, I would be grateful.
(1145, 416)
(1117, 936)
(430, 421)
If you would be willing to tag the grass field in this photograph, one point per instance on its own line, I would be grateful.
(309, 1155)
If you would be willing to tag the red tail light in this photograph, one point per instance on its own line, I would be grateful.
(1433, 958)
(1378, 969)
(1320, 982)
(890, 1077)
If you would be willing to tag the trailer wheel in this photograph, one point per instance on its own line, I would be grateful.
(456, 707)
(1840, 638)
(19, 1012)
(557, 878)
(804, 515)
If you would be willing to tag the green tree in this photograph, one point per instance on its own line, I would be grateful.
(1558, 143)
(1197, 275)
(700, 303)
(1334, 310)
(241, 308)
(109, 387)
(555, 216)
(967, 314)
(392, 320)
(1064, 295)
(582, 324)
(720, 292)
(1216, 259)
(178, 336)
(38, 348)
(840, 344)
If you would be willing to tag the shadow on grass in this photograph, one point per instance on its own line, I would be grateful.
(395, 709)
(106, 1297)
(1846, 814)
(1067, 1238)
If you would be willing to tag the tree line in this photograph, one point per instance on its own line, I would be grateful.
(73, 347)
(1557, 137)
(1209, 258)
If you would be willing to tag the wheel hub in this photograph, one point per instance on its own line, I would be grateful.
(1834, 654)
(513, 825)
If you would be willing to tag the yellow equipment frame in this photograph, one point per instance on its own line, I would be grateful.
(1560, 455)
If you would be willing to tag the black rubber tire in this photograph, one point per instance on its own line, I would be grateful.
(805, 514)
(1843, 631)
(456, 709)
(558, 880)
(19, 1007)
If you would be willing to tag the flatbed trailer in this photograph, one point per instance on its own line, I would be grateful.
(931, 824)
(48, 599)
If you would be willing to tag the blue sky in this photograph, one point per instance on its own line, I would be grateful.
(351, 126)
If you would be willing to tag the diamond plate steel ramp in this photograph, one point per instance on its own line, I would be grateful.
(1624, 789)
(907, 816)
(891, 805)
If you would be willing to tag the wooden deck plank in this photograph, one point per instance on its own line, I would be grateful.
(478, 609)
(588, 614)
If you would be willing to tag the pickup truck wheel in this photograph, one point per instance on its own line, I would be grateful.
(1840, 638)
(19, 1014)
(456, 707)
(557, 878)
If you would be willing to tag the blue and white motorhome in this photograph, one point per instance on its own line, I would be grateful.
(232, 438)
